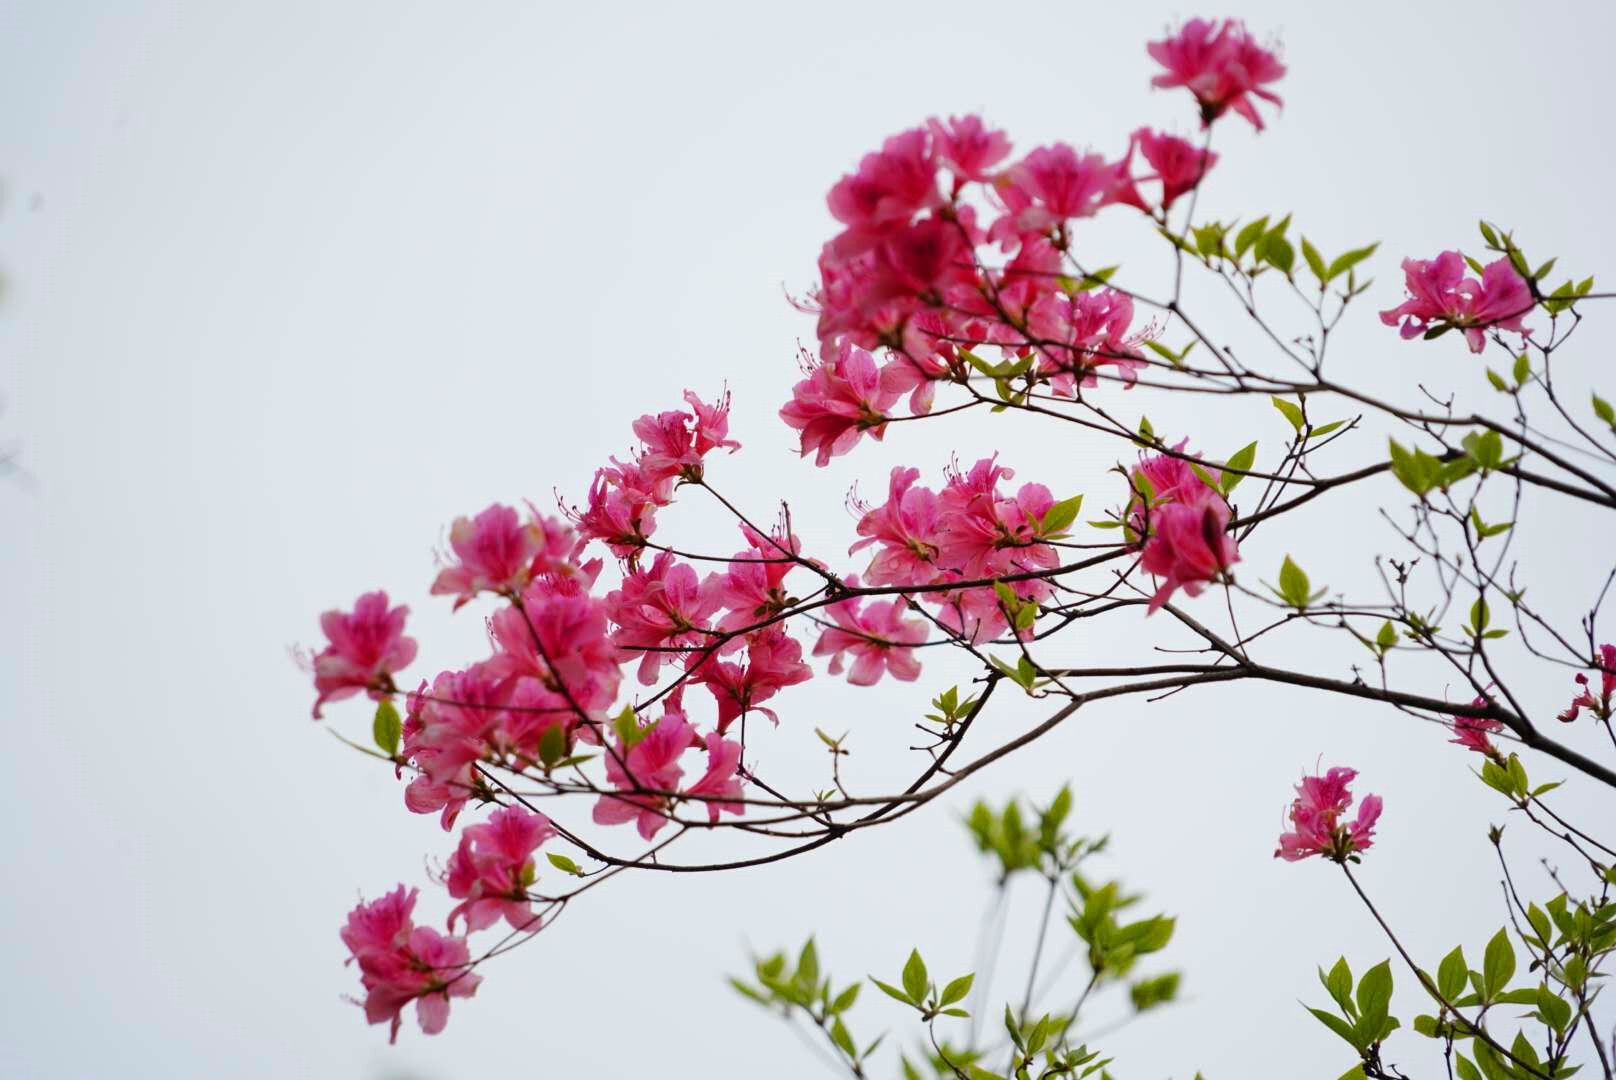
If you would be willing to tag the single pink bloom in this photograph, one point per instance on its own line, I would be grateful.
(1221, 64)
(646, 774)
(1316, 816)
(1053, 184)
(558, 635)
(1600, 705)
(400, 963)
(840, 400)
(967, 146)
(752, 586)
(1084, 333)
(1177, 164)
(906, 527)
(720, 782)
(366, 648)
(773, 662)
(673, 443)
(621, 512)
(1439, 296)
(491, 869)
(879, 639)
(1189, 545)
(1471, 732)
(660, 612)
(891, 185)
(497, 552)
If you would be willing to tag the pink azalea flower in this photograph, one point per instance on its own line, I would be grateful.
(878, 637)
(840, 400)
(1471, 732)
(773, 662)
(558, 635)
(720, 782)
(496, 552)
(1189, 545)
(967, 146)
(400, 962)
(673, 443)
(660, 609)
(1440, 297)
(621, 511)
(1178, 165)
(446, 732)
(1600, 705)
(645, 773)
(1221, 64)
(891, 186)
(1082, 334)
(1316, 816)
(492, 868)
(906, 527)
(752, 586)
(1054, 184)
(366, 647)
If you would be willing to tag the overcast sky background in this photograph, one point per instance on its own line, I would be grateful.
(286, 287)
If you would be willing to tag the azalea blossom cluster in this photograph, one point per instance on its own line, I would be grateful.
(1318, 819)
(1442, 298)
(927, 218)
(969, 531)
(1182, 522)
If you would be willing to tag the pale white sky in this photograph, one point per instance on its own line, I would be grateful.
(285, 287)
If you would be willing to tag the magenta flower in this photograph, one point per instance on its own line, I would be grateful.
(559, 636)
(1440, 297)
(879, 639)
(967, 146)
(1472, 732)
(1316, 816)
(720, 783)
(1081, 334)
(1221, 64)
(673, 443)
(891, 185)
(400, 962)
(840, 400)
(491, 869)
(1053, 184)
(366, 647)
(1184, 527)
(497, 552)
(1178, 165)
(773, 662)
(906, 527)
(646, 774)
(1599, 705)
(660, 611)
(752, 586)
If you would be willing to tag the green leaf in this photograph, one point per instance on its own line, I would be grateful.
(1604, 411)
(1339, 983)
(1277, 252)
(564, 864)
(843, 1041)
(1387, 637)
(1315, 261)
(1240, 460)
(1498, 965)
(552, 745)
(1523, 370)
(892, 991)
(914, 977)
(1374, 999)
(1451, 974)
(1290, 411)
(1058, 518)
(1346, 262)
(387, 726)
(1249, 235)
(629, 732)
(808, 965)
(956, 990)
(1294, 587)
(1337, 1025)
